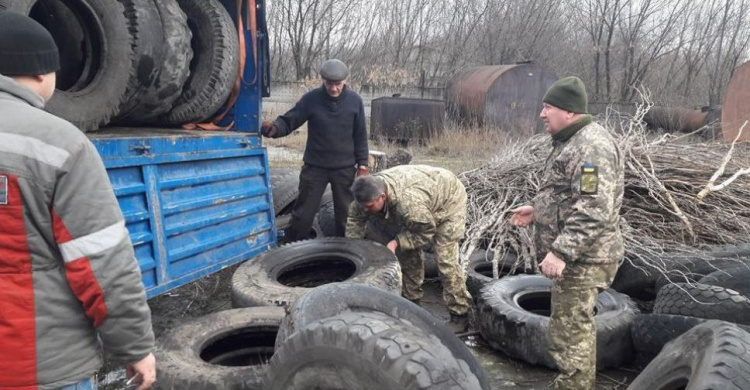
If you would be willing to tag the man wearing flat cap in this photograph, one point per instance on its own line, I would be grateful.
(70, 285)
(336, 148)
(576, 217)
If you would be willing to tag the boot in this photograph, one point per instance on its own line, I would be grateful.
(458, 323)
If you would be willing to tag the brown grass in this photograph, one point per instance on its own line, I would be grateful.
(458, 148)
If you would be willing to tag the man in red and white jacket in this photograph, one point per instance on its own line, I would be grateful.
(68, 275)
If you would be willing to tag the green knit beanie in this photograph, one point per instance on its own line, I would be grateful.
(568, 93)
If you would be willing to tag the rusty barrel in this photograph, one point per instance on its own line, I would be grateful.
(505, 96)
(735, 108)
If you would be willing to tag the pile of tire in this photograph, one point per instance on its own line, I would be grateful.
(136, 62)
(710, 285)
(353, 336)
(231, 349)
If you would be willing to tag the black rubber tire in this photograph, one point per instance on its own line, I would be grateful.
(712, 355)
(732, 278)
(215, 63)
(327, 219)
(285, 189)
(97, 96)
(365, 351)
(522, 334)
(284, 221)
(158, 97)
(147, 34)
(703, 301)
(651, 332)
(479, 272)
(692, 269)
(203, 354)
(281, 275)
(337, 298)
(635, 280)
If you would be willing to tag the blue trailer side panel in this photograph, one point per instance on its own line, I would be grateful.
(194, 202)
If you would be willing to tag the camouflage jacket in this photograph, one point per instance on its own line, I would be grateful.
(577, 209)
(419, 198)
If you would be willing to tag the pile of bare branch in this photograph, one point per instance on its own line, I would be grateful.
(672, 204)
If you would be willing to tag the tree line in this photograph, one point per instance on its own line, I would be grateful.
(683, 51)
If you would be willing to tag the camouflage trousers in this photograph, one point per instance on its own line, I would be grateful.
(452, 277)
(572, 330)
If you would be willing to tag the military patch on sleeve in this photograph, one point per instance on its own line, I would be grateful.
(3, 190)
(589, 179)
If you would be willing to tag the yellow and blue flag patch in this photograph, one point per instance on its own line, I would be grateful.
(589, 179)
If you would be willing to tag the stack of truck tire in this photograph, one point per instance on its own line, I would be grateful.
(322, 313)
(695, 321)
(690, 325)
(162, 63)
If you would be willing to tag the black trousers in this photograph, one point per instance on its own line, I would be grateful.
(312, 184)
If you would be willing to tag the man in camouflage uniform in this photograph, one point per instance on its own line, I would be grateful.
(576, 221)
(417, 204)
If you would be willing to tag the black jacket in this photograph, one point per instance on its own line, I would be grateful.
(336, 132)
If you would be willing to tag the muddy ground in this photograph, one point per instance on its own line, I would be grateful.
(212, 294)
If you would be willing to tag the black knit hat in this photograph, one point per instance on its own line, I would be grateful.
(568, 93)
(26, 48)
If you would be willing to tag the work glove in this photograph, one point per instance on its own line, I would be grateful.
(267, 129)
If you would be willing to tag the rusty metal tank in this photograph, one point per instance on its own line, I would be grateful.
(506, 96)
(406, 119)
(735, 108)
(676, 118)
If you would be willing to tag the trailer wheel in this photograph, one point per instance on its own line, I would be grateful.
(337, 298)
(513, 317)
(215, 63)
(361, 351)
(96, 50)
(225, 350)
(281, 275)
(713, 355)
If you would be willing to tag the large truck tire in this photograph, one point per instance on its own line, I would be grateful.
(215, 63)
(651, 332)
(158, 96)
(636, 280)
(228, 350)
(732, 278)
(480, 270)
(284, 221)
(338, 298)
(703, 301)
(94, 91)
(712, 355)
(513, 317)
(285, 188)
(281, 275)
(147, 33)
(365, 351)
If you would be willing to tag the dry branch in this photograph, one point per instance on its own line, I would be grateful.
(662, 214)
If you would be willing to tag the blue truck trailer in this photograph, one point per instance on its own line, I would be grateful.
(198, 201)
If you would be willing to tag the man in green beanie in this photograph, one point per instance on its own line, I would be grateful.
(576, 216)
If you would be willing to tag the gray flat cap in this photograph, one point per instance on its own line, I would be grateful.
(334, 70)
